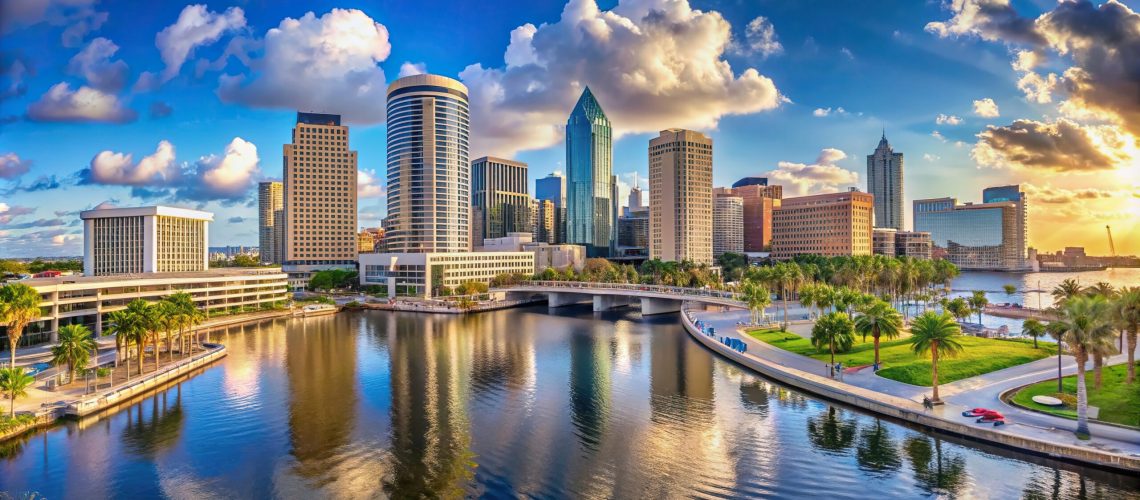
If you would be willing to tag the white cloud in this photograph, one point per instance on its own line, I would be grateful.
(821, 176)
(931, 157)
(651, 64)
(327, 64)
(1037, 88)
(196, 27)
(63, 239)
(761, 38)
(11, 166)
(410, 68)
(847, 53)
(986, 108)
(156, 169)
(229, 177)
(9, 212)
(94, 64)
(938, 135)
(85, 104)
(942, 119)
(367, 185)
(823, 112)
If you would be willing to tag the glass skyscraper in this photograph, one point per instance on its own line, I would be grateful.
(885, 182)
(589, 177)
(429, 174)
(986, 236)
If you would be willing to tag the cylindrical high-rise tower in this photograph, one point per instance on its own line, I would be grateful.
(429, 175)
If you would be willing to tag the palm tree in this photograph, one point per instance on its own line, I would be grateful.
(936, 334)
(978, 303)
(1033, 328)
(878, 319)
(1102, 288)
(74, 348)
(789, 276)
(19, 305)
(1084, 325)
(808, 294)
(757, 297)
(1066, 290)
(1009, 289)
(15, 381)
(833, 332)
(958, 308)
(167, 321)
(1128, 318)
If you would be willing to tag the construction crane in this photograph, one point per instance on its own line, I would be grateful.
(1111, 245)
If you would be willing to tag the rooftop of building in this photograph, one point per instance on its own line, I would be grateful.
(427, 81)
(825, 197)
(496, 159)
(212, 273)
(318, 118)
(185, 213)
(751, 181)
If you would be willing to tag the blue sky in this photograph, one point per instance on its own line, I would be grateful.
(810, 87)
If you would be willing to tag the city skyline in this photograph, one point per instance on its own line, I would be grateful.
(150, 112)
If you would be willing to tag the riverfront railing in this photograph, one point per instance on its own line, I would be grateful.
(661, 289)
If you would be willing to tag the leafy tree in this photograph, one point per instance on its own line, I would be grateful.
(757, 297)
(15, 382)
(1033, 328)
(1127, 316)
(959, 308)
(935, 334)
(329, 279)
(74, 348)
(9, 266)
(1010, 289)
(19, 306)
(878, 319)
(833, 332)
(1085, 325)
(40, 265)
(243, 260)
(732, 265)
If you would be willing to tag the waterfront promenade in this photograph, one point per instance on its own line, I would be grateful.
(1117, 444)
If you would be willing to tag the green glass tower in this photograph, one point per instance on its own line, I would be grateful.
(589, 177)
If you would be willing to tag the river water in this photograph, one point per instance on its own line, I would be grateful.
(511, 403)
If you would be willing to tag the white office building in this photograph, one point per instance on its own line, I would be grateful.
(155, 239)
(424, 274)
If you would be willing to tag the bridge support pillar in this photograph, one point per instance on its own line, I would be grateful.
(659, 306)
(563, 299)
(607, 302)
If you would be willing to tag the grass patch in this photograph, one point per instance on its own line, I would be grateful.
(898, 361)
(1119, 402)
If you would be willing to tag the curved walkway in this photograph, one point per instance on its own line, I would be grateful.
(1120, 446)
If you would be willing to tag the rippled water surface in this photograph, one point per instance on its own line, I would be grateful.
(510, 403)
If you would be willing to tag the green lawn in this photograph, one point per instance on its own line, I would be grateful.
(898, 361)
(1118, 402)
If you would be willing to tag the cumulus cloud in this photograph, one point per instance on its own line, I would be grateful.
(94, 64)
(1060, 146)
(942, 119)
(410, 68)
(931, 157)
(989, 19)
(11, 166)
(651, 64)
(760, 37)
(938, 135)
(157, 169)
(986, 108)
(328, 64)
(196, 27)
(823, 112)
(821, 176)
(367, 185)
(85, 104)
(1055, 195)
(1037, 88)
(9, 212)
(228, 177)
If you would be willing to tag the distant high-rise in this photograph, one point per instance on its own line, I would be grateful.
(1013, 194)
(760, 201)
(553, 189)
(751, 181)
(499, 198)
(589, 175)
(681, 196)
(429, 173)
(984, 236)
(885, 183)
(320, 198)
(270, 220)
(728, 225)
(543, 220)
(634, 198)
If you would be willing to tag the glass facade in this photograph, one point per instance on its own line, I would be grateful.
(973, 237)
(429, 172)
(589, 177)
(499, 198)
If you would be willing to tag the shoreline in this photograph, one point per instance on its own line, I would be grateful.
(907, 411)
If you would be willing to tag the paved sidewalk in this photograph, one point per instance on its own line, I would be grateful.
(983, 390)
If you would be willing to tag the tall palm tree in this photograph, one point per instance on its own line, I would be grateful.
(1066, 290)
(808, 294)
(935, 334)
(757, 297)
(142, 320)
(1102, 288)
(833, 332)
(19, 306)
(1084, 325)
(978, 303)
(1033, 328)
(878, 319)
(958, 308)
(1128, 318)
(167, 322)
(74, 348)
(15, 382)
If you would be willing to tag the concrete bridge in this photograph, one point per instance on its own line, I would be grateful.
(654, 299)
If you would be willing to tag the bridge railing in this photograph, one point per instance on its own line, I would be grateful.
(664, 289)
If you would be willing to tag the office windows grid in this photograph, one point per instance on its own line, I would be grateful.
(118, 244)
(180, 245)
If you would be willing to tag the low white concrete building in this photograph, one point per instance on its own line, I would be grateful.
(155, 239)
(546, 255)
(423, 274)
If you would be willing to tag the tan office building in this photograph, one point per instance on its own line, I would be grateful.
(830, 224)
(320, 198)
(728, 225)
(270, 221)
(155, 239)
(759, 202)
(681, 197)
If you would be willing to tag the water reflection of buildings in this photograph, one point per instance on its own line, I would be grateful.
(590, 385)
(430, 441)
(681, 378)
(320, 363)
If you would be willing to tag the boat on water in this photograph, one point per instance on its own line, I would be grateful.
(318, 310)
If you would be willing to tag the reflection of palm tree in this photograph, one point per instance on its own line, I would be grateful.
(830, 433)
(876, 451)
(145, 436)
(932, 471)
